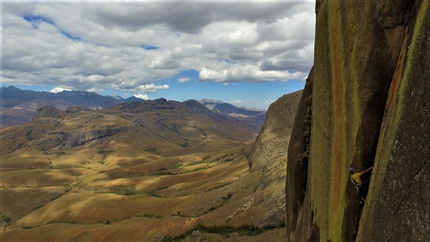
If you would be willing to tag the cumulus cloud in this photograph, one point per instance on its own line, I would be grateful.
(151, 87)
(59, 89)
(248, 73)
(141, 96)
(130, 46)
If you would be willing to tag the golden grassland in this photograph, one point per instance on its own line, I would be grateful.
(128, 173)
(120, 191)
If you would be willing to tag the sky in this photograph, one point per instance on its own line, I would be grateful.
(248, 53)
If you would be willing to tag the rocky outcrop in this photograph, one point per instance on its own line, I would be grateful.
(80, 137)
(268, 156)
(298, 159)
(48, 112)
(275, 133)
(369, 107)
(201, 109)
(77, 109)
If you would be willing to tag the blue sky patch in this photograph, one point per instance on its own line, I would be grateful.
(70, 36)
(149, 47)
(35, 20)
(230, 61)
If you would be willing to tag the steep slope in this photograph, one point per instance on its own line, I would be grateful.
(370, 69)
(275, 133)
(268, 156)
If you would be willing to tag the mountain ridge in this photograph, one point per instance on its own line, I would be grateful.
(17, 106)
(161, 115)
(256, 115)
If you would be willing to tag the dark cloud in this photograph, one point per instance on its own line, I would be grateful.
(284, 65)
(187, 17)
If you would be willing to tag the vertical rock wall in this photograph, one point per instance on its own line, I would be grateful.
(361, 50)
(297, 217)
(400, 190)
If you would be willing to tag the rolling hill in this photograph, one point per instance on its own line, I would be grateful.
(146, 171)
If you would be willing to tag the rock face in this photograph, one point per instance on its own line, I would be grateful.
(48, 111)
(268, 156)
(81, 137)
(275, 133)
(367, 99)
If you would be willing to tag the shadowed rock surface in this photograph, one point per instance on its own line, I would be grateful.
(48, 111)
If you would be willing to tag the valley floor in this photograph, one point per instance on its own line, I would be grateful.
(118, 193)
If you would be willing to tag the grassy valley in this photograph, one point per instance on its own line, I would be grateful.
(136, 172)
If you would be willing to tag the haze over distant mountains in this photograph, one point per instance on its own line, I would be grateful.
(256, 115)
(18, 106)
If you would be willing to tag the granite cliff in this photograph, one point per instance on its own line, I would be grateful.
(365, 104)
(268, 156)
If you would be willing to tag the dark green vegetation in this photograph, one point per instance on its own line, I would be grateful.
(244, 230)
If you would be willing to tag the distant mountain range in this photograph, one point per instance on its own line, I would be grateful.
(162, 123)
(255, 115)
(18, 106)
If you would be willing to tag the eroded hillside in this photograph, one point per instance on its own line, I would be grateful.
(365, 104)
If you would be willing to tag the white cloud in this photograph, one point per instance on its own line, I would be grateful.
(141, 96)
(247, 73)
(98, 45)
(60, 89)
(95, 90)
(184, 79)
(151, 87)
